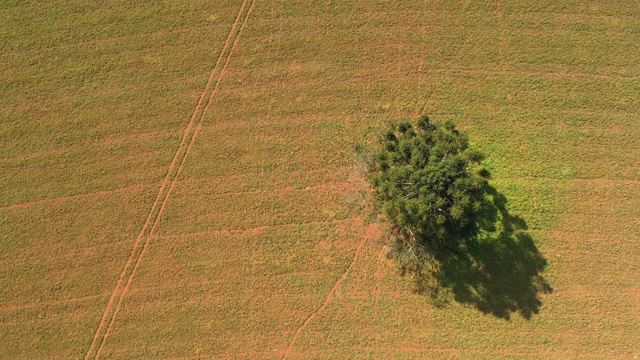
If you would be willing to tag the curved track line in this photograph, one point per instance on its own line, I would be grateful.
(170, 179)
(329, 298)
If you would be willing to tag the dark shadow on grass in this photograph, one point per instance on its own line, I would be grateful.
(497, 269)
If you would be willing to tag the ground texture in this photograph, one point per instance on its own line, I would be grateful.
(177, 178)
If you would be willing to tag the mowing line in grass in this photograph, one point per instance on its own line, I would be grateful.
(550, 74)
(258, 228)
(190, 135)
(51, 303)
(70, 197)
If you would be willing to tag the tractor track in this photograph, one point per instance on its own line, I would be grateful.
(175, 168)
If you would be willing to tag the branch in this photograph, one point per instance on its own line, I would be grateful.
(445, 213)
(410, 194)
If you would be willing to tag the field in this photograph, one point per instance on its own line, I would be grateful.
(177, 179)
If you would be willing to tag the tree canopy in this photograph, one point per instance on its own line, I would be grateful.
(429, 183)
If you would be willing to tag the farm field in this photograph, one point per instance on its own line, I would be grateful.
(177, 179)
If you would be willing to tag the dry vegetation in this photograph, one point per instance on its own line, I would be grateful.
(262, 241)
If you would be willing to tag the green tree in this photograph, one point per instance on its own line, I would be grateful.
(430, 186)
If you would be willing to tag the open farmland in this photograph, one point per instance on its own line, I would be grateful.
(176, 178)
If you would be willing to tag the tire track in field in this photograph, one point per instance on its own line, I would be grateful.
(369, 230)
(175, 168)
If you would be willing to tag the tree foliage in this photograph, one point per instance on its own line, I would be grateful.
(429, 183)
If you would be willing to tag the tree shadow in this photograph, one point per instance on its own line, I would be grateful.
(498, 268)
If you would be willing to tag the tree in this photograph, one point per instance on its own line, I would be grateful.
(431, 188)
(451, 229)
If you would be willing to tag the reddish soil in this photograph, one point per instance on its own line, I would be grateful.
(370, 232)
(170, 180)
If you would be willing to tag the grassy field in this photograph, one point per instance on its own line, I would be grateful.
(138, 219)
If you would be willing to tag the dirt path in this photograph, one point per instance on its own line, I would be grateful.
(370, 232)
(175, 168)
